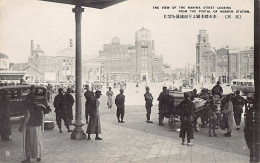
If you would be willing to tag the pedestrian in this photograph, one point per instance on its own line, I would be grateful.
(162, 105)
(89, 95)
(5, 125)
(120, 103)
(69, 101)
(109, 94)
(186, 116)
(33, 126)
(228, 113)
(94, 126)
(217, 90)
(148, 104)
(60, 110)
(238, 103)
(137, 87)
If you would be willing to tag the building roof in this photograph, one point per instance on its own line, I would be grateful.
(3, 55)
(143, 29)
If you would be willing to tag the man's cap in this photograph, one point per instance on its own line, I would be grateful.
(218, 82)
(237, 91)
(121, 90)
(164, 87)
(186, 95)
(60, 90)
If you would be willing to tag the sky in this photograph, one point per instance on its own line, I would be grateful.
(51, 25)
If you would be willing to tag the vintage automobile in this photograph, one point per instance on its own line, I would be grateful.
(17, 96)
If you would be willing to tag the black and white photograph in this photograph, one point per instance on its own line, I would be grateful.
(117, 81)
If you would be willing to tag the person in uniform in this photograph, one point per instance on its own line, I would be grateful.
(186, 117)
(109, 94)
(94, 126)
(5, 125)
(89, 95)
(60, 110)
(238, 103)
(162, 105)
(148, 104)
(120, 103)
(68, 104)
(33, 125)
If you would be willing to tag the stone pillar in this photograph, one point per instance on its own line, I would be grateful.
(78, 132)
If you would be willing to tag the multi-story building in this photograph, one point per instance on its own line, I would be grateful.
(131, 63)
(223, 64)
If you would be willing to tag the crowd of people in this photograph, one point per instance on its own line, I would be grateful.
(32, 124)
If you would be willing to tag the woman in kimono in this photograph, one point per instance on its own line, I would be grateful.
(33, 124)
(94, 126)
(228, 112)
(109, 94)
(5, 125)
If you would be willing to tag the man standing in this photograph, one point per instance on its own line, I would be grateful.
(238, 103)
(69, 103)
(120, 103)
(186, 116)
(89, 95)
(109, 94)
(148, 104)
(162, 105)
(60, 110)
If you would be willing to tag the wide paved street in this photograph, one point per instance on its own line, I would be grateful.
(133, 141)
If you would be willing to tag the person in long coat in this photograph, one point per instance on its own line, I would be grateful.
(94, 126)
(5, 125)
(120, 103)
(163, 97)
(60, 110)
(69, 103)
(148, 104)
(89, 95)
(186, 116)
(228, 111)
(33, 125)
(109, 94)
(238, 103)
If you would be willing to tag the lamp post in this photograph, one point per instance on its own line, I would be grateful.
(256, 114)
(78, 132)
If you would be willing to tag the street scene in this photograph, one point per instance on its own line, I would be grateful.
(128, 81)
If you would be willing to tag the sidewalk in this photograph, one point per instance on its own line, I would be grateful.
(119, 144)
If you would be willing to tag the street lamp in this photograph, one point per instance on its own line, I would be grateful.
(78, 132)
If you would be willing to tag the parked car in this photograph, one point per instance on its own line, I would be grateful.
(17, 98)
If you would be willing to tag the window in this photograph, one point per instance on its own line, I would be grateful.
(25, 92)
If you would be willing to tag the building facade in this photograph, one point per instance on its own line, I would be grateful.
(223, 64)
(132, 63)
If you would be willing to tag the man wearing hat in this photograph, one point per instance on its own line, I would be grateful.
(148, 104)
(120, 103)
(89, 95)
(162, 105)
(186, 116)
(94, 126)
(238, 103)
(69, 103)
(60, 110)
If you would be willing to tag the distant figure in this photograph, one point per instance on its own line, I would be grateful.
(33, 123)
(60, 110)
(238, 103)
(94, 126)
(120, 103)
(5, 125)
(186, 116)
(148, 104)
(68, 104)
(89, 95)
(109, 94)
(137, 87)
